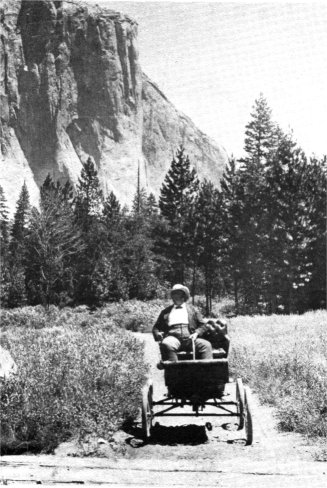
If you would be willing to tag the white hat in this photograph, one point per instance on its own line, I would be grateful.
(182, 288)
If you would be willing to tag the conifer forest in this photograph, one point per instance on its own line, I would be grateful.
(260, 238)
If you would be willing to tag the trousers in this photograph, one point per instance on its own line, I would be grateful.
(170, 346)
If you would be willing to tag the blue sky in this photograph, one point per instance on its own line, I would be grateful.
(212, 59)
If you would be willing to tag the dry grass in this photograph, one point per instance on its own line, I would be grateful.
(284, 359)
(77, 376)
(134, 315)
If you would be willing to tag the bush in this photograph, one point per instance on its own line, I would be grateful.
(71, 381)
(30, 317)
(220, 307)
(134, 315)
(284, 358)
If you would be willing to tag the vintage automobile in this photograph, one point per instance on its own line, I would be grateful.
(193, 385)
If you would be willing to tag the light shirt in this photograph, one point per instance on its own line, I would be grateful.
(178, 315)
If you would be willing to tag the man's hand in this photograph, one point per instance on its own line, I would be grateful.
(194, 336)
(160, 336)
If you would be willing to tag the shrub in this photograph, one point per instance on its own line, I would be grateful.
(31, 317)
(134, 315)
(220, 307)
(71, 381)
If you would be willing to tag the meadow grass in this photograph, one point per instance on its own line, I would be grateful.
(78, 374)
(133, 315)
(81, 371)
(284, 359)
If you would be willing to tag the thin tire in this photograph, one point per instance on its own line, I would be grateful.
(147, 413)
(248, 418)
(240, 399)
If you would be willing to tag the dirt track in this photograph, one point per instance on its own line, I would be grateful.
(184, 453)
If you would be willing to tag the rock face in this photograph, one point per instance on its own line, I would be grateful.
(164, 129)
(72, 87)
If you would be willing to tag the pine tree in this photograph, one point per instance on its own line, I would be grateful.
(316, 205)
(111, 208)
(140, 197)
(297, 196)
(260, 132)
(277, 226)
(233, 240)
(21, 221)
(89, 198)
(53, 240)
(51, 192)
(177, 198)
(139, 201)
(208, 217)
(88, 217)
(4, 226)
(109, 283)
(260, 143)
(274, 222)
(151, 207)
(137, 258)
(17, 250)
(4, 246)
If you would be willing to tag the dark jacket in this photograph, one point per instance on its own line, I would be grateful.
(195, 321)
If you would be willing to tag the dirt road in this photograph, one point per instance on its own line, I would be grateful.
(183, 452)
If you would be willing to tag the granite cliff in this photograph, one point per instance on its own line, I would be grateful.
(72, 87)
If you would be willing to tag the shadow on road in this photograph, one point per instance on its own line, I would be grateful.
(168, 435)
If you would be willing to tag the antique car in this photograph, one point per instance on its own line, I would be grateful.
(192, 385)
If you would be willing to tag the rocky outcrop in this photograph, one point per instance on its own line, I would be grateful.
(72, 87)
(164, 129)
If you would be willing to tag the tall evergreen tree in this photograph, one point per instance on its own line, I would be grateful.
(317, 204)
(151, 207)
(109, 281)
(89, 198)
(137, 259)
(127, 268)
(260, 132)
(21, 220)
(177, 197)
(88, 216)
(53, 240)
(260, 143)
(17, 249)
(111, 208)
(139, 201)
(157, 228)
(274, 202)
(208, 217)
(233, 235)
(297, 198)
(140, 197)
(277, 227)
(4, 246)
(4, 226)
(273, 206)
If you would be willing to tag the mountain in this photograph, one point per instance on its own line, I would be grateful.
(72, 87)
